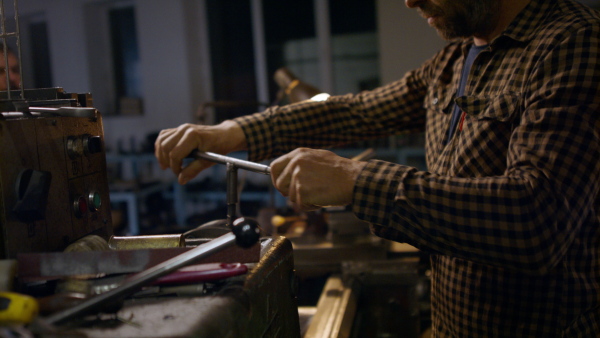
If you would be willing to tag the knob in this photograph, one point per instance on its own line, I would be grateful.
(80, 206)
(94, 201)
(32, 187)
(74, 147)
(92, 144)
(246, 231)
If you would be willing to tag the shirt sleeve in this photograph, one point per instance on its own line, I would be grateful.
(528, 217)
(392, 109)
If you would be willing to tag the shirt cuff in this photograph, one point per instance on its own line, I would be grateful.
(375, 191)
(259, 135)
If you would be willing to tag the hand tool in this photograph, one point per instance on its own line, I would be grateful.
(232, 184)
(17, 308)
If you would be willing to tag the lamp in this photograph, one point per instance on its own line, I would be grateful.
(294, 89)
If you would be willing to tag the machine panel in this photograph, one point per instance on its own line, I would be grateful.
(53, 185)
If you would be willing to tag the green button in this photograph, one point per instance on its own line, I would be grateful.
(95, 201)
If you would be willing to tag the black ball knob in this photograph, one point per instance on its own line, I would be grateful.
(246, 231)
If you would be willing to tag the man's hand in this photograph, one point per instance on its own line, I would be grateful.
(175, 144)
(314, 178)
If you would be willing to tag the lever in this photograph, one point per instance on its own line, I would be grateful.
(232, 166)
(247, 165)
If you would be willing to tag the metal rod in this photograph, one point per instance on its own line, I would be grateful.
(144, 278)
(232, 181)
(260, 51)
(5, 48)
(18, 35)
(232, 193)
(247, 165)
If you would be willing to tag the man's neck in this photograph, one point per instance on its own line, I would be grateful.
(507, 12)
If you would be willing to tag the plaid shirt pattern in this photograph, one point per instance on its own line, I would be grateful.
(509, 206)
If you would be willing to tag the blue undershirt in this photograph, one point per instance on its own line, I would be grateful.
(456, 112)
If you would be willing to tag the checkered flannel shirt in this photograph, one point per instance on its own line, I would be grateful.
(509, 206)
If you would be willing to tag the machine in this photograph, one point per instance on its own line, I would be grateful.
(53, 185)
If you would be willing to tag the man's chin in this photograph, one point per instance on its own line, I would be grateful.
(448, 34)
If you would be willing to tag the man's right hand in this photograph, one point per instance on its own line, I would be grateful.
(175, 144)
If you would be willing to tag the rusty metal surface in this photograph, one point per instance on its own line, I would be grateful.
(272, 289)
(263, 304)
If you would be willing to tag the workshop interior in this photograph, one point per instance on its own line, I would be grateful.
(97, 241)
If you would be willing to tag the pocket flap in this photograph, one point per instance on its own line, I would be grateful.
(501, 107)
(438, 99)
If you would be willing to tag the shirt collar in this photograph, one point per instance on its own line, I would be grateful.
(528, 21)
(524, 25)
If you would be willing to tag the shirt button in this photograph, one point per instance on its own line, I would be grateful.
(435, 100)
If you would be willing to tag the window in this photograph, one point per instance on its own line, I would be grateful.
(126, 60)
(114, 57)
(232, 58)
(354, 45)
(125, 54)
(290, 40)
(251, 39)
(300, 36)
(40, 55)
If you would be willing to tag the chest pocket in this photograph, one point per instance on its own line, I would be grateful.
(439, 99)
(503, 107)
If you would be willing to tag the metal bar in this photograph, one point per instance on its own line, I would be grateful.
(5, 48)
(247, 165)
(66, 111)
(260, 51)
(232, 192)
(336, 309)
(18, 35)
(324, 43)
(143, 278)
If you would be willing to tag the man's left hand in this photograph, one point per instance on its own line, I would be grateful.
(314, 178)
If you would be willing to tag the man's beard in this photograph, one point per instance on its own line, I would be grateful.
(463, 18)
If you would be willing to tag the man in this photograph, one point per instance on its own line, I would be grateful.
(14, 74)
(509, 205)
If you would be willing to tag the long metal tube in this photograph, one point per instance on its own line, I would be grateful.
(247, 165)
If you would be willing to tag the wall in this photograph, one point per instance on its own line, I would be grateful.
(405, 39)
(170, 49)
(167, 95)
